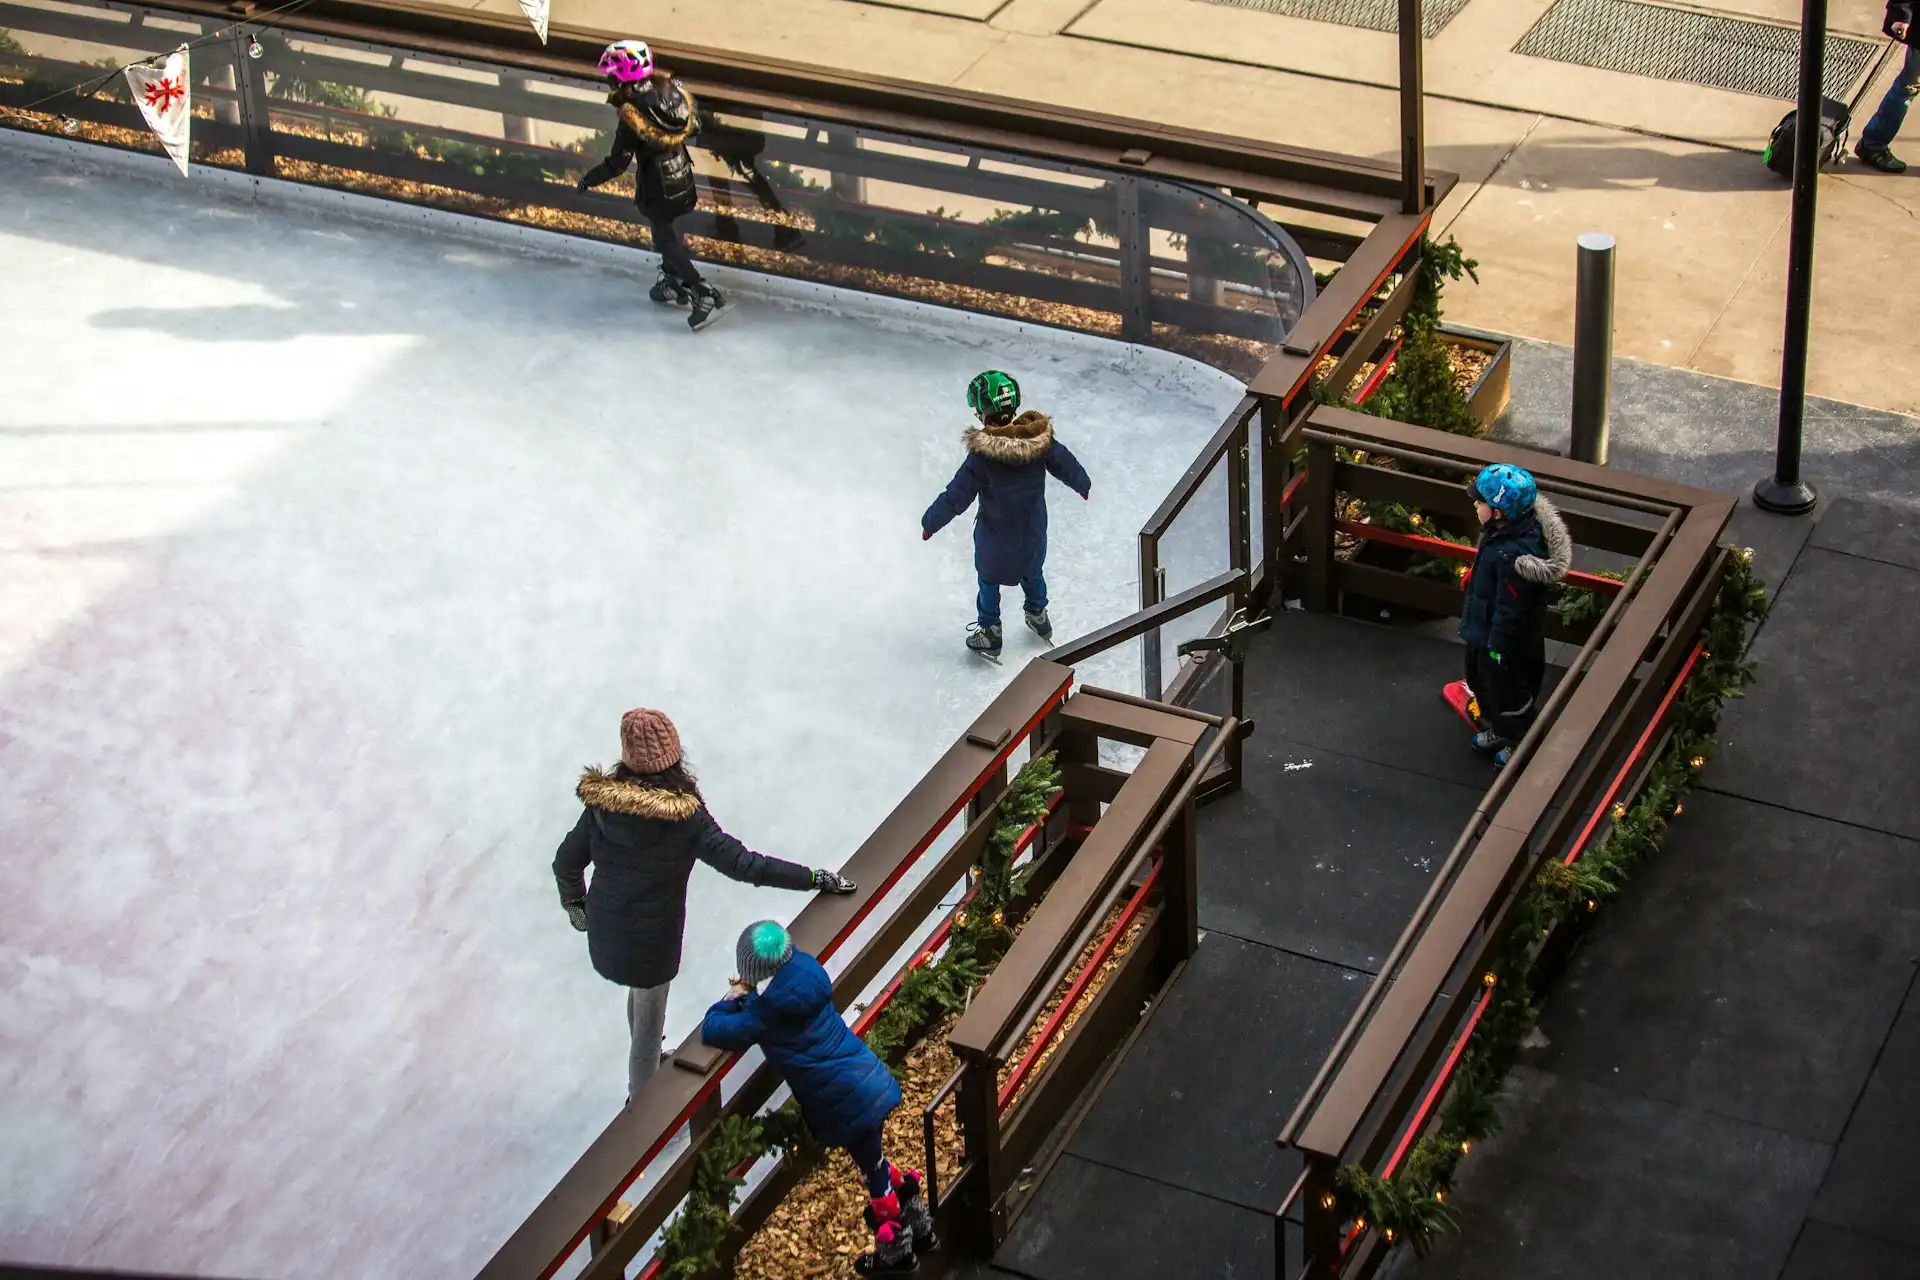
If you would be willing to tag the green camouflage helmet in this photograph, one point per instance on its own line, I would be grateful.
(993, 394)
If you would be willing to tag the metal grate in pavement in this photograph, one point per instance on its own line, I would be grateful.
(1373, 15)
(1698, 48)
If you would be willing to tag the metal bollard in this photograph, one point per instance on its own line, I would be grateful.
(1593, 348)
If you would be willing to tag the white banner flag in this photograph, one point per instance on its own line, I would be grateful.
(536, 11)
(162, 94)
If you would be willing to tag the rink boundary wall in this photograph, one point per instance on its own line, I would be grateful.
(799, 295)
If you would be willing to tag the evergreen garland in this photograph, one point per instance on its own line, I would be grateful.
(981, 931)
(1421, 389)
(1411, 1207)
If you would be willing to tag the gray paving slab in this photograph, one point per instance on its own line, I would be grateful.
(1828, 1253)
(1752, 969)
(1092, 1222)
(1874, 1185)
(1590, 1182)
(1831, 729)
(1715, 432)
(1877, 531)
(1208, 1084)
(1323, 854)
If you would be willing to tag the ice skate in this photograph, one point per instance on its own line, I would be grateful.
(1040, 625)
(913, 1211)
(892, 1248)
(709, 307)
(669, 292)
(984, 641)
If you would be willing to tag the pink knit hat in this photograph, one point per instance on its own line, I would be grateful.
(648, 741)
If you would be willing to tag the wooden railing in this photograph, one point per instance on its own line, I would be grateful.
(1381, 1085)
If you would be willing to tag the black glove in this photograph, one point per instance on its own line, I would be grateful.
(577, 915)
(832, 881)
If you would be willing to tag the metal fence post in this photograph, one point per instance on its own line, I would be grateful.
(1321, 1227)
(978, 1214)
(1136, 278)
(1592, 348)
(251, 82)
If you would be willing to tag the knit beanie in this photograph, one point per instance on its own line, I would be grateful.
(763, 947)
(648, 741)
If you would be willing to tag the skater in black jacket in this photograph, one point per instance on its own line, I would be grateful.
(657, 117)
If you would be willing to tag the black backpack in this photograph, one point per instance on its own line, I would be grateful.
(1835, 117)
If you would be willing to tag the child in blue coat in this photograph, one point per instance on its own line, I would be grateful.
(1524, 550)
(845, 1092)
(1009, 456)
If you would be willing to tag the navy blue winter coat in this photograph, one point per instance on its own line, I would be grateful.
(843, 1088)
(1507, 592)
(1007, 468)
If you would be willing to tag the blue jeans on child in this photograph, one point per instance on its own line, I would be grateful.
(1886, 122)
(872, 1162)
(1034, 586)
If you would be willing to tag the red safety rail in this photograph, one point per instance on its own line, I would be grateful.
(1379, 374)
(1286, 494)
(1639, 748)
(1074, 992)
(1454, 551)
(1306, 375)
(926, 842)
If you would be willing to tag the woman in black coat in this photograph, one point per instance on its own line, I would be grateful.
(643, 828)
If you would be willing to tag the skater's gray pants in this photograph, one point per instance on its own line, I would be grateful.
(647, 1024)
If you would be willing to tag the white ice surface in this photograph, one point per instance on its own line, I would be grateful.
(329, 552)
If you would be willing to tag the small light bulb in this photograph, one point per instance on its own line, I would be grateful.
(960, 919)
(1489, 978)
(69, 125)
(1439, 1197)
(253, 47)
(1359, 1224)
(1465, 1146)
(1592, 905)
(1619, 812)
(1388, 1233)
(1678, 810)
(1327, 1200)
(999, 916)
(1696, 762)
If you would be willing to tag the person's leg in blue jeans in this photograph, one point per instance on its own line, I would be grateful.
(1881, 130)
(1034, 586)
(988, 603)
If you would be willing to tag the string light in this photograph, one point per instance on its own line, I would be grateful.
(960, 919)
(999, 916)
(1326, 1200)
(1465, 1146)
(1359, 1224)
(69, 126)
(1440, 1197)
(1696, 762)
(253, 47)
(1619, 812)
(1678, 810)
(1388, 1233)
(1592, 905)
(1489, 978)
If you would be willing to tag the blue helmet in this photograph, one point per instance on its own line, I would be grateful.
(1507, 489)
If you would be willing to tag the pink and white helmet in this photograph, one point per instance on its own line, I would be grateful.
(627, 62)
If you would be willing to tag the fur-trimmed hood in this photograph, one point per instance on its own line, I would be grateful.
(1026, 439)
(617, 795)
(1559, 547)
(646, 128)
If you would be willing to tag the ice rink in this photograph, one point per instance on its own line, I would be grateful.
(332, 550)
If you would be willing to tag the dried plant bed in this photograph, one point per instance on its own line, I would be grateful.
(1468, 363)
(143, 140)
(818, 1229)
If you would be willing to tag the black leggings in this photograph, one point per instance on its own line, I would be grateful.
(672, 248)
(1509, 690)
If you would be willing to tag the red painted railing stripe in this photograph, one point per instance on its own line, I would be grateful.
(1639, 748)
(1439, 1084)
(1454, 551)
(1320, 354)
(1079, 986)
(1286, 494)
(1379, 374)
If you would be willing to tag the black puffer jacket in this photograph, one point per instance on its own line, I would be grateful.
(642, 842)
(655, 123)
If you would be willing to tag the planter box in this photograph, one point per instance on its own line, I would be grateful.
(1491, 390)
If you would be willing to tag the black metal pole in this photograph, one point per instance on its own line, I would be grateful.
(1784, 491)
(1413, 143)
(1592, 347)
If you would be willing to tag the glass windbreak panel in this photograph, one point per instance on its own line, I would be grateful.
(59, 74)
(1102, 251)
(1196, 545)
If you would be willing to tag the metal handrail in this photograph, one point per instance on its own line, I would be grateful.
(1139, 623)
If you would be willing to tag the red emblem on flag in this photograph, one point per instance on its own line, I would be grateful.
(162, 94)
